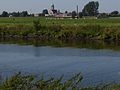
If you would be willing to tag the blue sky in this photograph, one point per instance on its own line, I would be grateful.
(36, 6)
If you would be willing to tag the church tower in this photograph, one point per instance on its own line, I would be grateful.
(52, 7)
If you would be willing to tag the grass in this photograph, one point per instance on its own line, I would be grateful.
(30, 82)
(90, 44)
(103, 29)
(45, 21)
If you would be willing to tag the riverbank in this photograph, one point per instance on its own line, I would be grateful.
(30, 82)
(68, 32)
(89, 44)
(66, 29)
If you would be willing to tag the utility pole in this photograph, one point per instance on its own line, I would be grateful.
(77, 11)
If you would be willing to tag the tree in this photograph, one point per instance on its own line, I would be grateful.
(80, 14)
(45, 11)
(91, 9)
(74, 14)
(66, 12)
(4, 14)
(103, 15)
(24, 14)
(37, 25)
(115, 13)
(15, 14)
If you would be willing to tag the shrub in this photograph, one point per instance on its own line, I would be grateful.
(29, 82)
(37, 25)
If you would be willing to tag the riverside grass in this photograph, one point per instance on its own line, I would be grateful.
(30, 82)
(64, 28)
(90, 44)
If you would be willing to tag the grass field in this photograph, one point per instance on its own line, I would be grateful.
(107, 28)
(67, 21)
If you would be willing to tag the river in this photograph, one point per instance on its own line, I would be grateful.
(98, 64)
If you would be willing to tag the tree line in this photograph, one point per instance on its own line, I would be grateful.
(15, 14)
(90, 9)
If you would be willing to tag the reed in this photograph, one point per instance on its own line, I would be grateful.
(30, 82)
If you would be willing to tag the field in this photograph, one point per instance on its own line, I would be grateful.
(61, 28)
(62, 21)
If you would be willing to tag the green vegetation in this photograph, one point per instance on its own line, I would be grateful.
(55, 28)
(90, 44)
(31, 82)
(91, 9)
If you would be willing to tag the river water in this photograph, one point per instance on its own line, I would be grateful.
(98, 64)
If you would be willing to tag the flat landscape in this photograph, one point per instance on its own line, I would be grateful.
(61, 21)
(61, 28)
(59, 45)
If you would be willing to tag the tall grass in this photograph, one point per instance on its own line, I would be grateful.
(103, 29)
(36, 25)
(30, 82)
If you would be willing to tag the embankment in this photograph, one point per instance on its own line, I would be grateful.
(57, 31)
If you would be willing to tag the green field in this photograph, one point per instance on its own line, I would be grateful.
(61, 28)
(65, 21)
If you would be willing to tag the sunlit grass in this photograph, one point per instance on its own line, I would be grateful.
(30, 82)
(104, 29)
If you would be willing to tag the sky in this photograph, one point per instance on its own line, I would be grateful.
(36, 6)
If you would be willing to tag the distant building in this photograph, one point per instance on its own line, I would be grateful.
(52, 7)
(52, 11)
(56, 13)
(10, 15)
(36, 15)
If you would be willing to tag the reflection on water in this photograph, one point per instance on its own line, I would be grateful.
(114, 45)
(98, 61)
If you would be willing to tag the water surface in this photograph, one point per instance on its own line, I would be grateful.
(96, 64)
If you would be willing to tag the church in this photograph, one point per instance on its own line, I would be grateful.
(52, 11)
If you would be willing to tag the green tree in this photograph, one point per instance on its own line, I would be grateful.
(74, 14)
(4, 14)
(91, 9)
(103, 15)
(80, 14)
(15, 14)
(45, 11)
(24, 14)
(37, 25)
(114, 14)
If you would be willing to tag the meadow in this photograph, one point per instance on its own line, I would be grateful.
(61, 28)
(60, 21)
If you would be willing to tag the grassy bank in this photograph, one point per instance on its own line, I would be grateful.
(31, 82)
(52, 28)
(89, 44)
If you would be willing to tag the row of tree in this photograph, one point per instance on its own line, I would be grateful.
(90, 9)
(99, 15)
(15, 14)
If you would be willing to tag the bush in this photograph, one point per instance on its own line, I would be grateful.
(37, 25)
